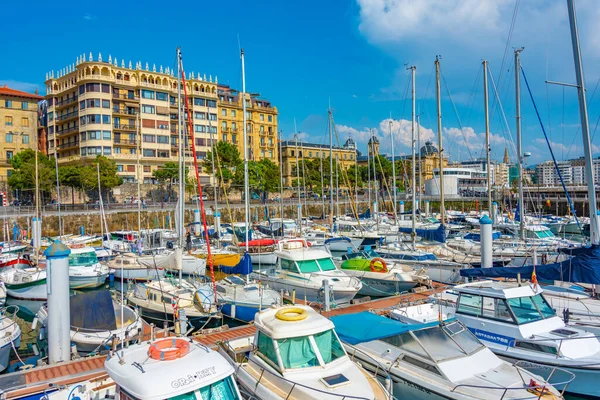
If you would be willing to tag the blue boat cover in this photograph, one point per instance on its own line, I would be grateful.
(439, 234)
(366, 326)
(365, 215)
(93, 310)
(476, 237)
(244, 267)
(582, 267)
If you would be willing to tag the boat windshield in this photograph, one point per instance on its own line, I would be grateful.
(82, 259)
(309, 266)
(530, 309)
(442, 342)
(326, 264)
(541, 234)
(300, 352)
(221, 390)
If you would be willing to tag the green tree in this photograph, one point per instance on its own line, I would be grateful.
(23, 174)
(70, 176)
(108, 173)
(227, 161)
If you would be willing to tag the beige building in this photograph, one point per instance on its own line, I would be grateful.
(293, 152)
(126, 112)
(261, 121)
(18, 126)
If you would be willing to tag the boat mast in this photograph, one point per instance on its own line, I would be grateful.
(322, 183)
(139, 177)
(375, 181)
(585, 127)
(439, 128)
(330, 169)
(246, 183)
(36, 241)
(60, 230)
(393, 172)
(487, 138)
(212, 153)
(298, 183)
(369, 172)
(337, 184)
(181, 214)
(418, 148)
(281, 179)
(414, 165)
(520, 203)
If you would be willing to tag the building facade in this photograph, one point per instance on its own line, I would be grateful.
(571, 171)
(261, 123)
(295, 152)
(126, 113)
(18, 126)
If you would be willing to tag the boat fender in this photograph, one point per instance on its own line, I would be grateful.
(168, 349)
(291, 314)
(381, 267)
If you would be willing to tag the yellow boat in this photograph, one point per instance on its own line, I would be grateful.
(221, 259)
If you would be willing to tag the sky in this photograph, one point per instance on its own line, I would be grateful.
(349, 55)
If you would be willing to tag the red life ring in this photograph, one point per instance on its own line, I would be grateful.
(168, 349)
(381, 262)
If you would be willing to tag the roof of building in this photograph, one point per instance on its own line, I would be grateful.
(304, 145)
(6, 91)
(429, 149)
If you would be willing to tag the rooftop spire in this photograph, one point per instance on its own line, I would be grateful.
(506, 159)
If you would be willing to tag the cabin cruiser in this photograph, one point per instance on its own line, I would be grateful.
(10, 334)
(304, 269)
(85, 271)
(25, 283)
(168, 301)
(96, 322)
(518, 323)
(171, 368)
(437, 269)
(289, 226)
(435, 360)
(296, 354)
(241, 300)
(378, 277)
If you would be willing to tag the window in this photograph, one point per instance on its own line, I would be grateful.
(81, 89)
(8, 103)
(162, 124)
(224, 125)
(8, 120)
(149, 139)
(224, 137)
(248, 115)
(326, 264)
(266, 349)
(199, 115)
(262, 117)
(82, 105)
(162, 139)
(223, 389)
(162, 96)
(163, 154)
(224, 112)
(212, 129)
(198, 101)
(130, 168)
(106, 135)
(270, 118)
(107, 151)
(537, 347)
(105, 119)
(149, 153)
(211, 103)
(146, 168)
(147, 94)
(233, 126)
(92, 87)
(262, 130)
(234, 138)
(83, 151)
(9, 155)
(92, 135)
(212, 117)
(117, 150)
(132, 151)
(233, 113)
(25, 139)
(105, 88)
(9, 137)
(105, 103)
(469, 304)
(24, 105)
(530, 309)
(308, 266)
(25, 122)
(329, 346)
(199, 128)
(147, 109)
(119, 167)
(496, 309)
(297, 352)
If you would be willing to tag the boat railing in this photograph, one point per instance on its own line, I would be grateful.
(560, 343)
(352, 281)
(290, 394)
(9, 312)
(540, 389)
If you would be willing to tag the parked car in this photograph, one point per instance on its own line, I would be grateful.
(131, 200)
(196, 197)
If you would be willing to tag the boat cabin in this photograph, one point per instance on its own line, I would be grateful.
(82, 256)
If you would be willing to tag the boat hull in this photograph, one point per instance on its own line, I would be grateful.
(35, 291)
(138, 274)
(208, 321)
(342, 295)
(384, 287)
(263, 258)
(241, 312)
(5, 352)
(87, 282)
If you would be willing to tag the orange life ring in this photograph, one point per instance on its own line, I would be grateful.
(383, 265)
(168, 349)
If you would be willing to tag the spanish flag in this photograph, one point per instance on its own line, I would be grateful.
(534, 277)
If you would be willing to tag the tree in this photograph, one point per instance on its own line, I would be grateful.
(70, 176)
(23, 174)
(169, 173)
(227, 161)
(108, 173)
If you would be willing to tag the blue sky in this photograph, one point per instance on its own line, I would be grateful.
(354, 53)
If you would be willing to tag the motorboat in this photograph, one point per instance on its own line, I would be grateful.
(518, 323)
(241, 300)
(262, 251)
(378, 277)
(166, 260)
(98, 388)
(16, 260)
(303, 269)
(85, 271)
(126, 267)
(436, 360)
(10, 334)
(97, 322)
(167, 301)
(171, 368)
(25, 283)
(221, 257)
(296, 354)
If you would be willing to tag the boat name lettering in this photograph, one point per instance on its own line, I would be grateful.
(192, 378)
(493, 337)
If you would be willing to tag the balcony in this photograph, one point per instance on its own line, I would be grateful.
(68, 145)
(125, 142)
(229, 130)
(125, 96)
(67, 116)
(124, 127)
(69, 130)
(124, 111)
(66, 102)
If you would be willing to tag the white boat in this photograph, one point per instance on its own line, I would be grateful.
(296, 354)
(126, 267)
(171, 368)
(436, 360)
(10, 334)
(99, 388)
(241, 300)
(262, 251)
(25, 283)
(85, 271)
(517, 323)
(167, 260)
(2, 293)
(303, 269)
(163, 301)
(95, 330)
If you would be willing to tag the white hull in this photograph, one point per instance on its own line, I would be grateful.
(138, 274)
(341, 295)
(263, 258)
